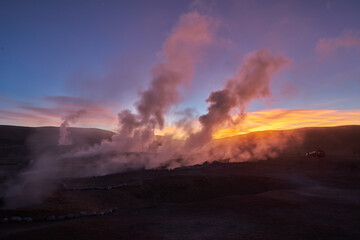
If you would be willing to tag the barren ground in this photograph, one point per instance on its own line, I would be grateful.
(284, 198)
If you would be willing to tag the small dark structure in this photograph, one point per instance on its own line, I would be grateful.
(315, 154)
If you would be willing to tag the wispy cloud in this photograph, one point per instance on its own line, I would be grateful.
(325, 47)
(26, 118)
(99, 114)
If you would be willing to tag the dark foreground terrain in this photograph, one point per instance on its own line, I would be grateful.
(288, 197)
(275, 199)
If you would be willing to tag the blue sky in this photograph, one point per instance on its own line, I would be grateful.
(103, 51)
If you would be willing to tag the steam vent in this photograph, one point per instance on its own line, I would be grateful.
(176, 120)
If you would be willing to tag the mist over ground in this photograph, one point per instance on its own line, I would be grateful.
(265, 184)
(225, 120)
(38, 164)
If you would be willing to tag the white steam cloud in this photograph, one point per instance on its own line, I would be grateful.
(251, 82)
(136, 130)
(64, 134)
(135, 145)
(180, 51)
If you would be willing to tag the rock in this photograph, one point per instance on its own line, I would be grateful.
(51, 218)
(205, 163)
(112, 210)
(89, 214)
(28, 219)
(64, 186)
(16, 219)
(4, 220)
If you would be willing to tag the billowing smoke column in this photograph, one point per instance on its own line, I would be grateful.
(64, 138)
(251, 82)
(180, 52)
(136, 130)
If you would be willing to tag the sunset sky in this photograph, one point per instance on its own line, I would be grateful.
(58, 57)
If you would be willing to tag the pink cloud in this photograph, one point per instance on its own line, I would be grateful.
(51, 112)
(26, 118)
(70, 100)
(327, 46)
(288, 90)
(57, 108)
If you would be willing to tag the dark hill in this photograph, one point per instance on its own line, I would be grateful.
(340, 140)
(18, 144)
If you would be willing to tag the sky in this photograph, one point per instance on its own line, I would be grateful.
(60, 57)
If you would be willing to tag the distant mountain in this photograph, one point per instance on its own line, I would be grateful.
(333, 140)
(18, 144)
(21, 134)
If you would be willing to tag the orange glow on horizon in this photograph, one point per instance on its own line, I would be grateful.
(273, 119)
(171, 131)
(278, 119)
(283, 119)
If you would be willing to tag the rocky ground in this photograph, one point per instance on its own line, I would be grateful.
(284, 198)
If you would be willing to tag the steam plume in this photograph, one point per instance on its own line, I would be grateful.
(64, 138)
(136, 130)
(180, 52)
(251, 82)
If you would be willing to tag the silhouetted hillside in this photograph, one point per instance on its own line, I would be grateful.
(18, 144)
(333, 140)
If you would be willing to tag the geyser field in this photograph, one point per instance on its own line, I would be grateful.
(174, 120)
(276, 196)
